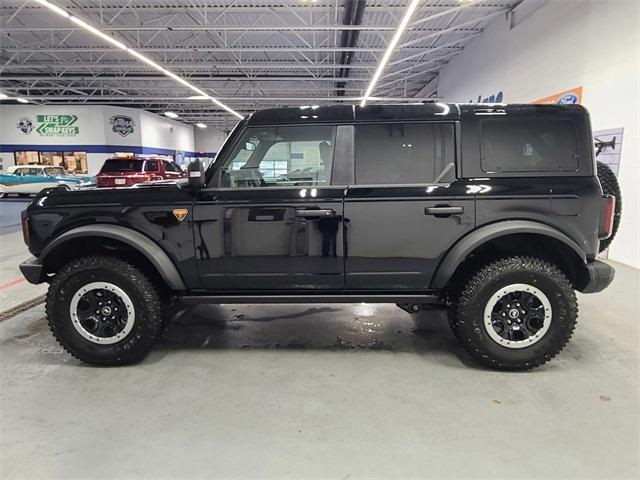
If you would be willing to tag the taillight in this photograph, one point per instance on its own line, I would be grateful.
(609, 214)
(25, 227)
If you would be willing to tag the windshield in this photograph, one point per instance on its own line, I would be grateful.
(122, 165)
(227, 142)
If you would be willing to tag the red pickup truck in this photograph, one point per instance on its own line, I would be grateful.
(124, 172)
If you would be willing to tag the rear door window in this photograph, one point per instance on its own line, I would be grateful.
(152, 166)
(528, 145)
(403, 153)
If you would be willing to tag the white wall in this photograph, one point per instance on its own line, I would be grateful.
(209, 140)
(562, 45)
(93, 125)
(162, 132)
(94, 129)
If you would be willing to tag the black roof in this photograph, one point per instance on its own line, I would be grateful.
(381, 112)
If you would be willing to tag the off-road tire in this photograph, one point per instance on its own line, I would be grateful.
(610, 186)
(466, 312)
(144, 296)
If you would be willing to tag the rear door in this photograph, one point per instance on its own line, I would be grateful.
(273, 220)
(400, 224)
(152, 167)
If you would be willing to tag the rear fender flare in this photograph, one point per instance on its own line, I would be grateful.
(143, 244)
(478, 237)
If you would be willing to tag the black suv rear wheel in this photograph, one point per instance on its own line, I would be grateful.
(515, 313)
(104, 311)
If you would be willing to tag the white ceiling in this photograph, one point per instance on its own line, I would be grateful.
(250, 54)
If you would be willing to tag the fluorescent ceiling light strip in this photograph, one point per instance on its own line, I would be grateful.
(387, 54)
(136, 54)
(53, 7)
(144, 59)
(98, 33)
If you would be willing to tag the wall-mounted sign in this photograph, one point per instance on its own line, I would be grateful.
(567, 97)
(122, 124)
(57, 125)
(25, 125)
(497, 98)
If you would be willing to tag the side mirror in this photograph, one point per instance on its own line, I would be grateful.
(249, 147)
(195, 172)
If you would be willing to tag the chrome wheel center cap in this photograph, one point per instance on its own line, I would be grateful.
(106, 311)
(514, 313)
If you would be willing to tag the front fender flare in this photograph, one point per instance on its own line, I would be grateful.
(147, 247)
(469, 243)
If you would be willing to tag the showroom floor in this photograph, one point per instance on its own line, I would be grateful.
(324, 391)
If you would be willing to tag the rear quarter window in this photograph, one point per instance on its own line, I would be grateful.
(528, 145)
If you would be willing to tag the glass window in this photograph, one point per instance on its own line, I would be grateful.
(397, 153)
(170, 166)
(54, 171)
(73, 162)
(121, 165)
(27, 158)
(281, 156)
(528, 145)
(152, 166)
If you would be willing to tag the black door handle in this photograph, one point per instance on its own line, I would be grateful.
(311, 213)
(443, 211)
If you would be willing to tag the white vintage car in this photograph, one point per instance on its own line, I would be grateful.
(26, 180)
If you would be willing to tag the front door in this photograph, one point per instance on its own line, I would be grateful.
(399, 222)
(274, 220)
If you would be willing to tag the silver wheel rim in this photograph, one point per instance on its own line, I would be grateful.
(102, 322)
(517, 316)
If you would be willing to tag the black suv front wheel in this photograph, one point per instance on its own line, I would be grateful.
(515, 313)
(104, 311)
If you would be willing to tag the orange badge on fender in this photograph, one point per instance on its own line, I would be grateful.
(180, 213)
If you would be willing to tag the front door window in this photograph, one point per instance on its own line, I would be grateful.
(281, 157)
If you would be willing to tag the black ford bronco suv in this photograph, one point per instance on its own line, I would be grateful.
(493, 211)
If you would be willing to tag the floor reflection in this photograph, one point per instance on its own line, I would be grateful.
(310, 327)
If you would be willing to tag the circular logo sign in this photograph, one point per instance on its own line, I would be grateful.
(568, 99)
(25, 125)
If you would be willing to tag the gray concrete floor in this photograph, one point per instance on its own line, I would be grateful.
(323, 391)
(14, 289)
